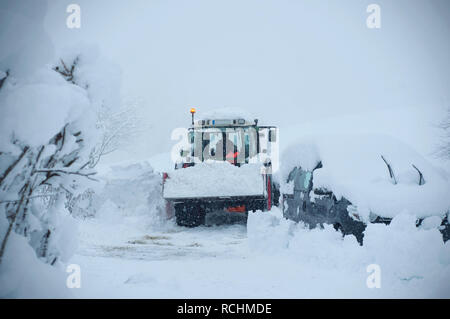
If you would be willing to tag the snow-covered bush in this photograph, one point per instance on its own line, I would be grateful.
(48, 136)
(22, 275)
(45, 136)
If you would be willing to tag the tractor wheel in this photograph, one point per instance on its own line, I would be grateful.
(189, 215)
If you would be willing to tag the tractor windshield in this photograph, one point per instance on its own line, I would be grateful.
(236, 145)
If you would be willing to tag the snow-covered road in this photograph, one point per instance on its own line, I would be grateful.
(173, 243)
(129, 250)
(119, 260)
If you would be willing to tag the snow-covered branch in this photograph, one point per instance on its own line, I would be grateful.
(29, 175)
(61, 171)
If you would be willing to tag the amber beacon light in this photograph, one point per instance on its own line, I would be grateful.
(192, 112)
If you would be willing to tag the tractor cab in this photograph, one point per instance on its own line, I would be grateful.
(234, 139)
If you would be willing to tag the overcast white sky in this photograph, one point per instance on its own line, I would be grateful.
(285, 61)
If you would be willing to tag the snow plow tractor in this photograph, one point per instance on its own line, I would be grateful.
(223, 170)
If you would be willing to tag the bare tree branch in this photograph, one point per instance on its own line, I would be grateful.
(60, 171)
(11, 167)
(31, 197)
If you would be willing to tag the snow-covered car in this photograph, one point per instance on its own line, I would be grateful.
(349, 181)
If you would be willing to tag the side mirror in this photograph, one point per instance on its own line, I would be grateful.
(272, 135)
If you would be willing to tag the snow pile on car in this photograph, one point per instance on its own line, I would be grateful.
(214, 179)
(414, 261)
(353, 168)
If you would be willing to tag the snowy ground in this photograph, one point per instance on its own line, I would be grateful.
(128, 251)
(272, 259)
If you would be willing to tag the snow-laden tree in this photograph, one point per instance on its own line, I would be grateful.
(118, 121)
(49, 133)
(34, 184)
(49, 113)
(118, 128)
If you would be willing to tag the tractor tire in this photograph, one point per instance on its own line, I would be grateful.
(189, 215)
